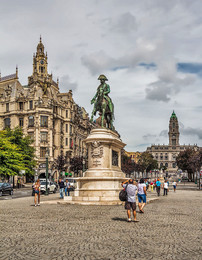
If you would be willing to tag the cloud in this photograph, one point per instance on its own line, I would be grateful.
(65, 83)
(164, 133)
(124, 24)
(192, 131)
(169, 84)
(149, 136)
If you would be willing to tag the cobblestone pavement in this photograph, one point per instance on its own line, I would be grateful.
(169, 229)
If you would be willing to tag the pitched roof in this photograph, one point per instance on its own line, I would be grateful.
(12, 76)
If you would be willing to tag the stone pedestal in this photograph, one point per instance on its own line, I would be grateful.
(101, 183)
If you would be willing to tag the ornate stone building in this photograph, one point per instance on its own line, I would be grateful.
(52, 119)
(166, 154)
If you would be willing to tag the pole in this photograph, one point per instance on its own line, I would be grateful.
(46, 193)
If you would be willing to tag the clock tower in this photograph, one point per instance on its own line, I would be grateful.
(40, 63)
(173, 131)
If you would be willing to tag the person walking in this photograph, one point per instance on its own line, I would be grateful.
(67, 187)
(158, 187)
(142, 193)
(174, 185)
(37, 189)
(61, 185)
(165, 188)
(131, 199)
(152, 186)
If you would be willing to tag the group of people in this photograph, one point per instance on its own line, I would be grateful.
(64, 186)
(132, 187)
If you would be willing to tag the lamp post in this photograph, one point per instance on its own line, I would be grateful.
(47, 153)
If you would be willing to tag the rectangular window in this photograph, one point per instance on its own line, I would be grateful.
(66, 141)
(70, 129)
(7, 107)
(7, 123)
(44, 137)
(66, 113)
(21, 122)
(66, 128)
(21, 106)
(42, 152)
(44, 121)
(30, 104)
(30, 121)
(31, 135)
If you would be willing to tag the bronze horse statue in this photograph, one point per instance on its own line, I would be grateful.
(101, 104)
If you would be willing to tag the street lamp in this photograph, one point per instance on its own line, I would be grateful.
(47, 154)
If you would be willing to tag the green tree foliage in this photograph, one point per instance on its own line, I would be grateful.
(147, 162)
(15, 153)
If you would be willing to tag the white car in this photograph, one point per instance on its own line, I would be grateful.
(51, 187)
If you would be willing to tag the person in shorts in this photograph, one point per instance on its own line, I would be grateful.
(141, 193)
(131, 198)
(37, 189)
(174, 186)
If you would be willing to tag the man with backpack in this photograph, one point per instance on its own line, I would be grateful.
(131, 198)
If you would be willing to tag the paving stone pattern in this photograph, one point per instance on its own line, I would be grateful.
(169, 229)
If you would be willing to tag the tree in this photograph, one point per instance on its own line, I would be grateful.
(24, 144)
(127, 165)
(60, 163)
(15, 153)
(147, 162)
(76, 164)
(190, 161)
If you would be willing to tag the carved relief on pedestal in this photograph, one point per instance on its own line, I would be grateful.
(96, 150)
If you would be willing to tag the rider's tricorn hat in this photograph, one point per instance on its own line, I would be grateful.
(102, 77)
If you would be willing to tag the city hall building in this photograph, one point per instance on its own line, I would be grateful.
(55, 123)
(166, 154)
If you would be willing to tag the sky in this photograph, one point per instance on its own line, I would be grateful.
(150, 51)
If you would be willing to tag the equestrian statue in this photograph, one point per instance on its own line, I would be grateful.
(103, 104)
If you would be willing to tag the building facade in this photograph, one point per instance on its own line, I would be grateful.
(135, 156)
(166, 154)
(52, 119)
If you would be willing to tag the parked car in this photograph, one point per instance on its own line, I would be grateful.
(51, 187)
(5, 188)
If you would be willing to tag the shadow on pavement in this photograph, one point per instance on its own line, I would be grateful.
(120, 219)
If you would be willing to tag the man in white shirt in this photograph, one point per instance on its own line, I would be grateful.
(165, 188)
(131, 198)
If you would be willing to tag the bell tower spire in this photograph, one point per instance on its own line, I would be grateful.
(40, 61)
(173, 130)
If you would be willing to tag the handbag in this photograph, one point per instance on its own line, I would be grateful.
(123, 194)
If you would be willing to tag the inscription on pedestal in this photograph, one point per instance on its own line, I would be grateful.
(96, 163)
(115, 158)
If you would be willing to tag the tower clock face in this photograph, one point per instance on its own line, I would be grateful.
(42, 62)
